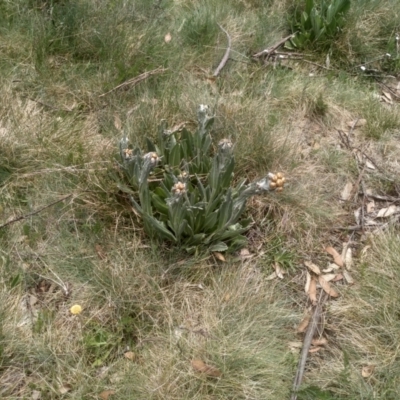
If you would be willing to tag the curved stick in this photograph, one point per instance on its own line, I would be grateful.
(225, 58)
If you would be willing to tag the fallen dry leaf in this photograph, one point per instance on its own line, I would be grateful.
(314, 268)
(244, 253)
(167, 38)
(315, 349)
(331, 267)
(327, 287)
(36, 395)
(219, 256)
(106, 394)
(278, 270)
(319, 342)
(365, 249)
(387, 95)
(346, 192)
(201, 366)
(356, 123)
(312, 293)
(64, 389)
(337, 258)
(338, 277)
(271, 277)
(369, 164)
(367, 371)
(297, 344)
(370, 206)
(100, 252)
(117, 122)
(388, 211)
(329, 277)
(348, 260)
(348, 277)
(130, 355)
(357, 215)
(227, 297)
(308, 282)
(303, 324)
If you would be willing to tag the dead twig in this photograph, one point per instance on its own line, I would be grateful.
(317, 65)
(136, 80)
(312, 328)
(49, 105)
(225, 58)
(392, 92)
(21, 217)
(271, 50)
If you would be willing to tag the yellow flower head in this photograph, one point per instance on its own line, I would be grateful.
(75, 309)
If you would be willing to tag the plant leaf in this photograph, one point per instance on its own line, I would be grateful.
(337, 258)
(327, 287)
(302, 327)
(202, 367)
(312, 292)
(314, 268)
(219, 247)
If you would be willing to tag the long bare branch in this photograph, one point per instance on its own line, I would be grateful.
(225, 58)
(137, 79)
(312, 327)
(21, 217)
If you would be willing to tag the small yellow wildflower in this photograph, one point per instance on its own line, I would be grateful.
(75, 309)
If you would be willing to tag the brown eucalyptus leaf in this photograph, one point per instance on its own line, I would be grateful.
(271, 276)
(356, 123)
(357, 215)
(348, 261)
(312, 293)
(100, 252)
(387, 95)
(117, 122)
(329, 277)
(338, 277)
(64, 389)
(130, 355)
(219, 256)
(319, 342)
(370, 206)
(245, 253)
(201, 366)
(346, 192)
(314, 268)
(167, 38)
(327, 287)
(296, 345)
(369, 164)
(337, 258)
(348, 277)
(106, 394)
(36, 395)
(367, 371)
(388, 211)
(302, 327)
(331, 267)
(315, 349)
(308, 282)
(278, 270)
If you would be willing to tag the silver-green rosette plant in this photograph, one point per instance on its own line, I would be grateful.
(184, 194)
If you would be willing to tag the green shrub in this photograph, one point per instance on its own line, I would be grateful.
(184, 194)
(318, 23)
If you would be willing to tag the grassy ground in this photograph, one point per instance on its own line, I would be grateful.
(148, 311)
